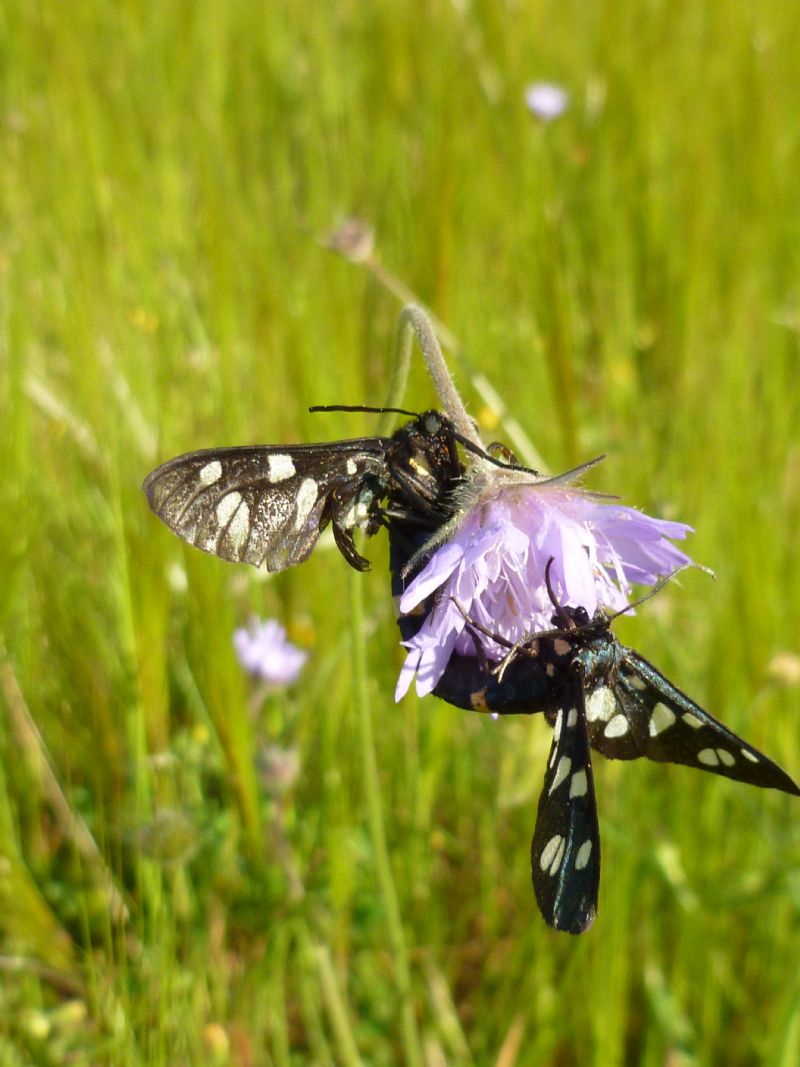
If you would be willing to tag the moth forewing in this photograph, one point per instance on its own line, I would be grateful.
(565, 850)
(674, 729)
(265, 504)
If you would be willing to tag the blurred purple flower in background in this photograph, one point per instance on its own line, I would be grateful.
(265, 652)
(493, 567)
(546, 100)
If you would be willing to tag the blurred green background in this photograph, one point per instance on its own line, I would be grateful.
(627, 277)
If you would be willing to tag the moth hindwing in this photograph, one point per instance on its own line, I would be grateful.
(269, 504)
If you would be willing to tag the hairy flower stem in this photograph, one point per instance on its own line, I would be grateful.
(410, 1036)
(516, 436)
(414, 322)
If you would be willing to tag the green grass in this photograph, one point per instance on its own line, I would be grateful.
(628, 278)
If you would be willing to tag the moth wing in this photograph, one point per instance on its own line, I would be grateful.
(565, 851)
(259, 504)
(641, 713)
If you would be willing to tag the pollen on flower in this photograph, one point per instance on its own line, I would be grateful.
(264, 651)
(492, 569)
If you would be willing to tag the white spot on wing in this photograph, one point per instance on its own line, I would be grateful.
(355, 515)
(562, 770)
(692, 720)
(226, 507)
(601, 704)
(572, 718)
(578, 785)
(239, 526)
(618, 727)
(708, 756)
(726, 757)
(583, 854)
(749, 755)
(552, 854)
(636, 683)
(661, 719)
(306, 499)
(351, 466)
(281, 467)
(212, 472)
(557, 727)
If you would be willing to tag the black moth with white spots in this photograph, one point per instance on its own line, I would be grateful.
(596, 694)
(267, 505)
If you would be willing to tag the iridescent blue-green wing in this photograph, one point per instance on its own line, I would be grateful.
(565, 851)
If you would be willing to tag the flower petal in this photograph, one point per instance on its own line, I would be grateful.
(438, 568)
(494, 566)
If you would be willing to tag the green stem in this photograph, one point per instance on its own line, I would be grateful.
(337, 1008)
(412, 1051)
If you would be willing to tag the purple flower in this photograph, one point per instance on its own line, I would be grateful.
(546, 100)
(264, 651)
(493, 569)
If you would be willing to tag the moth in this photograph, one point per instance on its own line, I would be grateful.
(268, 504)
(597, 695)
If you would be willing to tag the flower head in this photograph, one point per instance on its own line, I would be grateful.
(265, 652)
(354, 239)
(546, 100)
(493, 569)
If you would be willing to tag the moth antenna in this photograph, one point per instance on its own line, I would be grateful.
(665, 580)
(561, 612)
(368, 409)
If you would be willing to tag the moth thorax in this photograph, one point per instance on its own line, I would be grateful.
(600, 658)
